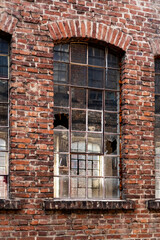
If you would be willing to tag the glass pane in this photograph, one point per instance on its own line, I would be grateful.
(95, 99)
(3, 139)
(95, 188)
(111, 101)
(61, 96)
(61, 118)
(78, 120)
(113, 60)
(3, 115)
(95, 165)
(111, 122)
(61, 187)
(95, 143)
(111, 188)
(3, 91)
(3, 186)
(78, 164)
(111, 144)
(157, 65)
(4, 46)
(94, 121)
(60, 72)
(95, 77)
(157, 83)
(61, 141)
(61, 52)
(78, 53)
(157, 104)
(78, 75)
(78, 98)
(96, 56)
(111, 166)
(4, 66)
(112, 79)
(78, 187)
(3, 163)
(78, 142)
(61, 164)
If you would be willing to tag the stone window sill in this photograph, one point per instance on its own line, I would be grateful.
(88, 205)
(9, 204)
(153, 204)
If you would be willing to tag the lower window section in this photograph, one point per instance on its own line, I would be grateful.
(86, 176)
(3, 187)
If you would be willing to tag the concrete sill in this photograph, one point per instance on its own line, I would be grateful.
(8, 204)
(153, 204)
(88, 205)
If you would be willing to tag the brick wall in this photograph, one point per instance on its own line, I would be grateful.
(131, 25)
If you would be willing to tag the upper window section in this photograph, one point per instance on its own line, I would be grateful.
(86, 122)
(4, 55)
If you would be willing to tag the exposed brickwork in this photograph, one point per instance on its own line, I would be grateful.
(131, 25)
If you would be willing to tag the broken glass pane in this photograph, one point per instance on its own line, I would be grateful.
(3, 91)
(111, 166)
(4, 46)
(110, 144)
(95, 143)
(78, 75)
(61, 96)
(78, 164)
(4, 66)
(61, 164)
(61, 141)
(61, 118)
(111, 101)
(112, 79)
(111, 122)
(95, 188)
(111, 188)
(61, 52)
(60, 72)
(113, 60)
(78, 187)
(94, 99)
(3, 186)
(3, 139)
(157, 84)
(96, 56)
(78, 120)
(3, 115)
(78, 98)
(95, 77)
(94, 121)
(157, 104)
(78, 53)
(3, 163)
(61, 187)
(78, 142)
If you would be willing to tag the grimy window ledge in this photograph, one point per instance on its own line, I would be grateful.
(89, 205)
(10, 204)
(153, 204)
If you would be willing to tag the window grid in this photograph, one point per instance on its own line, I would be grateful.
(101, 154)
(4, 117)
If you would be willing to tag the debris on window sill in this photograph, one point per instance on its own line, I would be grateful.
(89, 205)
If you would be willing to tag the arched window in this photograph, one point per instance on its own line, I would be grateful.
(4, 123)
(86, 121)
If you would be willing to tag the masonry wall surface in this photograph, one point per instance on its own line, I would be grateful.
(34, 26)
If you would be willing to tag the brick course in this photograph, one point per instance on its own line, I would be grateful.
(132, 26)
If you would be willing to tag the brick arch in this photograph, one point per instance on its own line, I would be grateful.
(155, 46)
(7, 23)
(61, 30)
